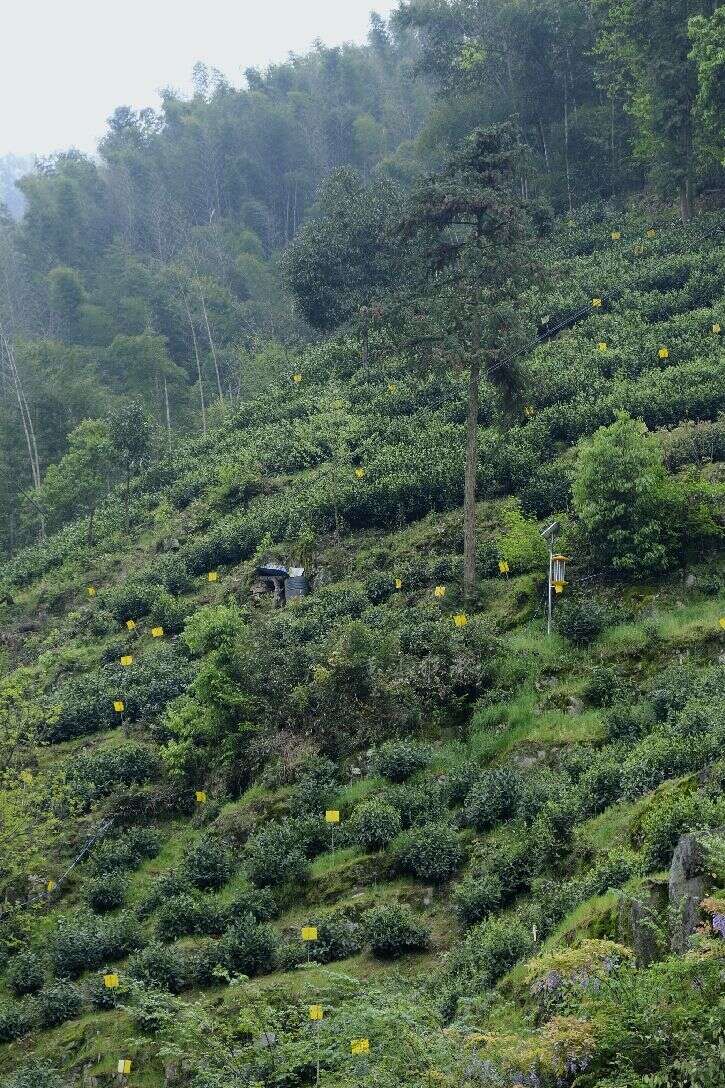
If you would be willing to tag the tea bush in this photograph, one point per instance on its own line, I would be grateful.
(186, 915)
(476, 897)
(98, 774)
(25, 973)
(418, 802)
(259, 902)
(207, 864)
(273, 857)
(106, 893)
(125, 851)
(338, 936)
(431, 852)
(398, 760)
(393, 930)
(492, 798)
(248, 946)
(58, 1003)
(158, 967)
(581, 619)
(14, 1021)
(374, 824)
(663, 824)
(82, 941)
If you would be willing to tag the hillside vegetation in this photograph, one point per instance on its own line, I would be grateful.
(406, 316)
(493, 907)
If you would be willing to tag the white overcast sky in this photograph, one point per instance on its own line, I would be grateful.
(66, 64)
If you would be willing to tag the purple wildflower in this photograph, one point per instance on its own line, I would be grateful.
(718, 924)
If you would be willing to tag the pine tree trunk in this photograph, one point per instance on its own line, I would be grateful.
(469, 497)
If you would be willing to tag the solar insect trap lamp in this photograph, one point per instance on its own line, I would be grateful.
(557, 571)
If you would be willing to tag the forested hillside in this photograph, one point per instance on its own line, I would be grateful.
(362, 616)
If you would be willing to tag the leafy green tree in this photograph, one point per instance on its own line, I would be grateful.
(708, 56)
(347, 251)
(73, 486)
(474, 237)
(635, 518)
(130, 436)
(646, 46)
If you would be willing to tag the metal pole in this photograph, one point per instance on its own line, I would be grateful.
(551, 569)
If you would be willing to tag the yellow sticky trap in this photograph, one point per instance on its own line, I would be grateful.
(297, 378)
(119, 706)
(722, 622)
(398, 583)
(308, 933)
(360, 1046)
(528, 411)
(596, 303)
(359, 472)
(110, 982)
(332, 816)
(157, 632)
(616, 235)
(50, 886)
(651, 232)
(664, 353)
(558, 586)
(638, 251)
(461, 619)
(126, 660)
(716, 329)
(91, 591)
(213, 576)
(131, 625)
(316, 1012)
(200, 796)
(124, 1065)
(439, 591)
(602, 345)
(392, 387)
(26, 776)
(503, 566)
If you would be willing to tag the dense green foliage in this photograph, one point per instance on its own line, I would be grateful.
(391, 802)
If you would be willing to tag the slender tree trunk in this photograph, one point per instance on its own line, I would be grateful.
(198, 363)
(566, 142)
(469, 498)
(127, 496)
(211, 343)
(543, 144)
(168, 413)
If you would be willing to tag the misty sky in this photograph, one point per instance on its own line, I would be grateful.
(66, 64)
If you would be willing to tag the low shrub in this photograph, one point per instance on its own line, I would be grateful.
(671, 817)
(393, 930)
(125, 851)
(187, 915)
(106, 893)
(431, 852)
(35, 1074)
(338, 936)
(581, 620)
(159, 967)
(315, 788)
(58, 1003)
(374, 824)
(489, 950)
(261, 903)
(398, 760)
(82, 941)
(476, 897)
(207, 864)
(627, 722)
(492, 798)
(605, 686)
(248, 946)
(25, 973)
(418, 802)
(273, 857)
(14, 1021)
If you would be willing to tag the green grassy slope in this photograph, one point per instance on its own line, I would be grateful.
(544, 786)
